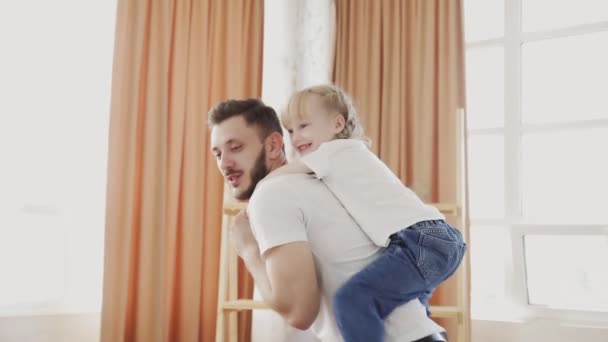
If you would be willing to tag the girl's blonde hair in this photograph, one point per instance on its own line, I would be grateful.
(336, 101)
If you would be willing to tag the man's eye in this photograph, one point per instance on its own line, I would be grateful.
(290, 131)
(236, 148)
(218, 155)
(304, 125)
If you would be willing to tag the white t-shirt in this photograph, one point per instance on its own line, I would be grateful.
(368, 189)
(294, 208)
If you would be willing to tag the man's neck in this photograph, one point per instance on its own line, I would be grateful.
(277, 163)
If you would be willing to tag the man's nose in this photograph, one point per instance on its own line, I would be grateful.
(226, 163)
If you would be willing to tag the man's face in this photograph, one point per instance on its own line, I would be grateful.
(240, 155)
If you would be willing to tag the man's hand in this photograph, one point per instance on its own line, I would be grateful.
(241, 235)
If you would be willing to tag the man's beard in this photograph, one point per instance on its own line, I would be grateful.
(258, 172)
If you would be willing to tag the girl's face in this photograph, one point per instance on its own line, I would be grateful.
(315, 126)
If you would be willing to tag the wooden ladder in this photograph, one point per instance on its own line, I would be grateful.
(229, 304)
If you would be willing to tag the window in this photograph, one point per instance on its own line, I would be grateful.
(55, 88)
(584, 288)
(537, 81)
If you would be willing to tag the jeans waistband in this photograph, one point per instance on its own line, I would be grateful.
(421, 224)
(427, 224)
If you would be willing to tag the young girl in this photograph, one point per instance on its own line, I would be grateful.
(421, 249)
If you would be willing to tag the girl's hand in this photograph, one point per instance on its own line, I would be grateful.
(295, 167)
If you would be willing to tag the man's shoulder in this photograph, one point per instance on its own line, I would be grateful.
(280, 187)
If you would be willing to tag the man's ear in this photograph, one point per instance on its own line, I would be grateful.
(274, 146)
(339, 123)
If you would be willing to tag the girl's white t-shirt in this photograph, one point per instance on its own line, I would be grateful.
(375, 197)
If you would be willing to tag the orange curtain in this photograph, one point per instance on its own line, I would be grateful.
(403, 63)
(173, 61)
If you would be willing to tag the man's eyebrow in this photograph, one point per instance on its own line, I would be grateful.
(232, 141)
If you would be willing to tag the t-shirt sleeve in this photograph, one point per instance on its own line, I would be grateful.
(319, 160)
(275, 216)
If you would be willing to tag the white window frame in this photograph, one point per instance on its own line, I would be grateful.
(520, 289)
(517, 307)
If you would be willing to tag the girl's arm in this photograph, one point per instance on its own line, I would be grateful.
(294, 167)
(316, 162)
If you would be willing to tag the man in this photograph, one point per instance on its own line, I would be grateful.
(300, 245)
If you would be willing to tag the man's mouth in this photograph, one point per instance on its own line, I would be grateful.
(234, 179)
(303, 148)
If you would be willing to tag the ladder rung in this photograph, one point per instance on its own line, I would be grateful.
(244, 304)
(446, 312)
(248, 304)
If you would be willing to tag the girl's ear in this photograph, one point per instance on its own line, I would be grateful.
(339, 123)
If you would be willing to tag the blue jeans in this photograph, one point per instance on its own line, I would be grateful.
(415, 262)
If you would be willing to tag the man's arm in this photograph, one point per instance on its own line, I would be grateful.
(285, 275)
(287, 281)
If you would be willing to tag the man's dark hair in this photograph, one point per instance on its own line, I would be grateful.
(254, 111)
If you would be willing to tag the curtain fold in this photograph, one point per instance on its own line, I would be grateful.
(403, 63)
(173, 61)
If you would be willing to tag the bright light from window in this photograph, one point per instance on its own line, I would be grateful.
(486, 168)
(567, 271)
(486, 26)
(55, 88)
(565, 79)
(485, 87)
(565, 176)
(537, 156)
(490, 250)
(538, 15)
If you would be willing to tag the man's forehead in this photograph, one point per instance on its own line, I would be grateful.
(232, 130)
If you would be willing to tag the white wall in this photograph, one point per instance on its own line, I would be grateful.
(55, 74)
(298, 52)
(55, 328)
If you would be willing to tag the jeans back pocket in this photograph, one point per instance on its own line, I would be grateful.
(438, 253)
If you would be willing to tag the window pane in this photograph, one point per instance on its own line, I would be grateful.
(565, 79)
(486, 176)
(483, 19)
(565, 176)
(490, 257)
(485, 87)
(567, 271)
(538, 15)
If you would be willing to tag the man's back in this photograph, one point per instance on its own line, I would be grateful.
(301, 208)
